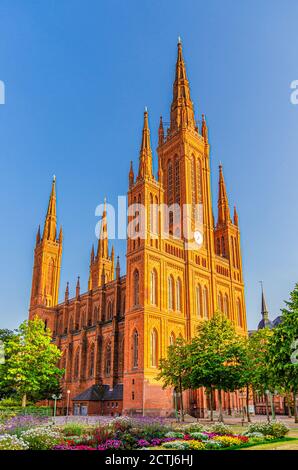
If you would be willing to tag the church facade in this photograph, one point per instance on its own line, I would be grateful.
(113, 335)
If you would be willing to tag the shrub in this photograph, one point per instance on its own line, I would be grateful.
(122, 424)
(176, 445)
(175, 434)
(275, 428)
(196, 445)
(193, 427)
(199, 436)
(103, 433)
(228, 441)
(6, 414)
(41, 438)
(213, 445)
(74, 429)
(8, 442)
(220, 428)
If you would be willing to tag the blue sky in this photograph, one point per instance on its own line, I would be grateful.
(77, 77)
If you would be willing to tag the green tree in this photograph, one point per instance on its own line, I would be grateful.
(216, 358)
(5, 335)
(257, 372)
(31, 365)
(283, 346)
(173, 372)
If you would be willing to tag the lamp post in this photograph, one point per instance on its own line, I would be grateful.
(67, 403)
(55, 398)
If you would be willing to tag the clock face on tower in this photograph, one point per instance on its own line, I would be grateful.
(198, 237)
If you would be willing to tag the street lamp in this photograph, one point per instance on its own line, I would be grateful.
(55, 398)
(67, 403)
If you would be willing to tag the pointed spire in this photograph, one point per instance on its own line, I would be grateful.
(236, 221)
(102, 249)
(49, 232)
(118, 268)
(204, 128)
(131, 176)
(60, 235)
(222, 204)
(264, 308)
(92, 254)
(161, 134)
(38, 237)
(78, 288)
(182, 113)
(66, 296)
(145, 159)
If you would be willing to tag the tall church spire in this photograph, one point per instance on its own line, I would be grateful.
(222, 204)
(49, 232)
(265, 322)
(182, 113)
(103, 250)
(145, 159)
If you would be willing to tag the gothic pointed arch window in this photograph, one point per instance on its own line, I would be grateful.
(205, 302)
(199, 300)
(108, 360)
(77, 364)
(239, 312)
(50, 277)
(91, 361)
(95, 314)
(154, 348)
(177, 180)
(170, 194)
(136, 287)
(170, 293)
(178, 294)
(151, 215)
(199, 182)
(153, 287)
(135, 350)
(226, 305)
(220, 302)
(172, 339)
(110, 310)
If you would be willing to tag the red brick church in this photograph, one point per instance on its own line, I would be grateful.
(113, 335)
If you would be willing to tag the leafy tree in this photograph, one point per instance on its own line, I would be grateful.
(5, 335)
(31, 365)
(257, 372)
(173, 372)
(283, 349)
(217, 357)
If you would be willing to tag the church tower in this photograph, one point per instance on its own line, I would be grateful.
(177, 273)
(46, 267)
(102, 265)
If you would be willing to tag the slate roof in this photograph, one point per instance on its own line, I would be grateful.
(100, 393)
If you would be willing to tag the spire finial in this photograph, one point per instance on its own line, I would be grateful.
(182, 113)
(54, 178)
(179, 40)
(222, 203)
(145, 160)
(50, 228)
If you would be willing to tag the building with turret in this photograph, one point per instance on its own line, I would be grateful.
(113, 335)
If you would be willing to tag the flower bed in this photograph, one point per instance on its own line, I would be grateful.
(129, 434)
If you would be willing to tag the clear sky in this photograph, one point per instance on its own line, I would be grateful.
(77, 76)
